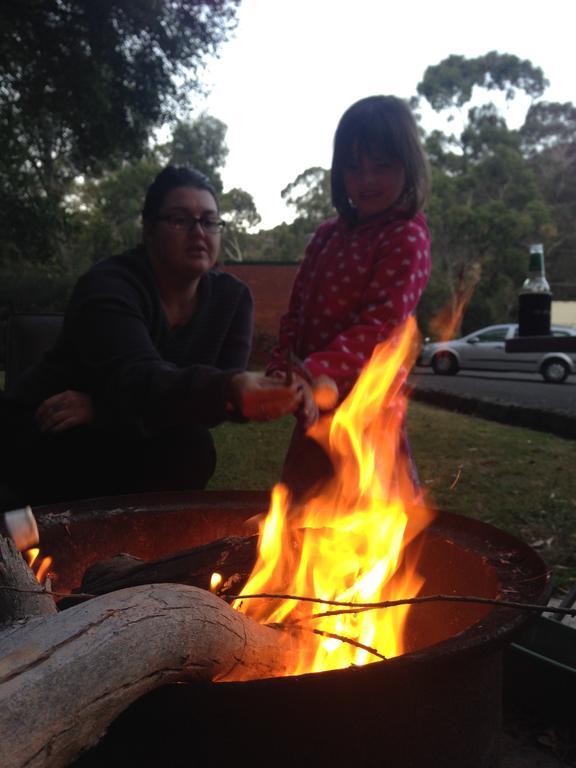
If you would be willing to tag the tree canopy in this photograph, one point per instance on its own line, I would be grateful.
(201, 144)
(495, 190)
(451, 82)
(82, 85)
(84, 82)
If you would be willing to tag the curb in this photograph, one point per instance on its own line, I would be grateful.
(553, 422)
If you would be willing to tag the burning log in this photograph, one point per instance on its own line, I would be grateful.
(233, 557)
(19, 599)
(73, 672)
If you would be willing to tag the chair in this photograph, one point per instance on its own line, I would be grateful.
(28, 336)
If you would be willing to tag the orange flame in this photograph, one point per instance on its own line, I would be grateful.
(40, 570)
(215, 581)
(445, 325)
(346, 541)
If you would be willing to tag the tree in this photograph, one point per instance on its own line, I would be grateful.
(239, 210)
(450, 83)
(310, 195)
(83, 83)
(549, 139)
(486, 204)
(201, 144)
(108, 209)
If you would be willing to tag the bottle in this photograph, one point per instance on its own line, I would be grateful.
(20, 526)
(535, 298)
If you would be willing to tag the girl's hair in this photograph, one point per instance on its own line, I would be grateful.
(171, 178)
(380, 125)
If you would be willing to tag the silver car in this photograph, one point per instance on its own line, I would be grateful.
(485, 350)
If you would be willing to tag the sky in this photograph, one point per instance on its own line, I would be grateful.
(292, 67)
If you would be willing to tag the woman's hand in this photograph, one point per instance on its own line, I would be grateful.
(65, 410)
(264, 398)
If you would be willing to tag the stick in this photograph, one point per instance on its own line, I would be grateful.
(359, 607)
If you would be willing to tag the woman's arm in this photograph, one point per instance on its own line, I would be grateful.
(109, 333)
(235, 351)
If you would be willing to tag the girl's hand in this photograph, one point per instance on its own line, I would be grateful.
(307, 414)
(65, 410)
(264, 398)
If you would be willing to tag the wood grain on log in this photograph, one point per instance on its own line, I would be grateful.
(65, 677)
(21, 596)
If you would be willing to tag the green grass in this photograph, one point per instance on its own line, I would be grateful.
(250, 455)
(517, 479)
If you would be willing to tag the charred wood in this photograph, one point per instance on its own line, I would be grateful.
(232, 557)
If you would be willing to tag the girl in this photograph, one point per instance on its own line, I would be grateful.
(365, 270)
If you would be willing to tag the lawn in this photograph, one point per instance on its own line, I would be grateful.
(517, 479)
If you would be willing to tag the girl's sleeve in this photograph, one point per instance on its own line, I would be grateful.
(401, 269)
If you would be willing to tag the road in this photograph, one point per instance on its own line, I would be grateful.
(520, 389)
(522, 399)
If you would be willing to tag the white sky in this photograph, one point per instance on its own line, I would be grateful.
(293, 67)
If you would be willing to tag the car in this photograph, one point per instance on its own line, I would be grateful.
(485, 350)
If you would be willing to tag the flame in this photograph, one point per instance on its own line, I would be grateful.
(445, 325)
(40, 569)
(346, 542)
(31, 555)
(215, 581)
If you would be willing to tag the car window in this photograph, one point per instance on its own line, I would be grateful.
(494, 334)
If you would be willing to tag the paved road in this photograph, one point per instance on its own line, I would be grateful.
(514, 398)
(523, 389)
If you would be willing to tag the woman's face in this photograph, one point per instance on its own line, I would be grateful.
(373, 184)
(177, 244)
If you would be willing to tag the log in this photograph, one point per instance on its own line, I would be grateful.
(21, 596)
(233, 557)
(65, 677)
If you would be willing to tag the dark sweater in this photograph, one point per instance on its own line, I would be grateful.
(116, 345)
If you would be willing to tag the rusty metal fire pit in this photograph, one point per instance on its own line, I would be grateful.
(437, 705)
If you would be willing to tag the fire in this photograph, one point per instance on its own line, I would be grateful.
(215, 581)
(40, 568)
(446, 323)
(347, 541)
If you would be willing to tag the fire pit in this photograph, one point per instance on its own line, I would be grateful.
(438, 704)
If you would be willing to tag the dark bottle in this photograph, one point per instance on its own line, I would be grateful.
(535, 298)
(20, 526)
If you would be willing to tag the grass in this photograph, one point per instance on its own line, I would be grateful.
(517, 479)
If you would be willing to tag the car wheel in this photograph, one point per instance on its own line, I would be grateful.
(554, 371)
(445, 364)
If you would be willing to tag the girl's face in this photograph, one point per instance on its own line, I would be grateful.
(176, 242)
(373, 184)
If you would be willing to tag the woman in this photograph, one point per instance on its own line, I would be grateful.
(152, 353)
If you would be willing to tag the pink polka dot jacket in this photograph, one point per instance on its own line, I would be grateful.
(354, 287)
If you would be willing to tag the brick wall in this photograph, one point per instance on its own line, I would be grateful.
(270, 285)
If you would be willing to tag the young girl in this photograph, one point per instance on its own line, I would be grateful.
(365, 270)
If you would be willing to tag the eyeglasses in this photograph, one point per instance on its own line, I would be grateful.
(187, 223)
